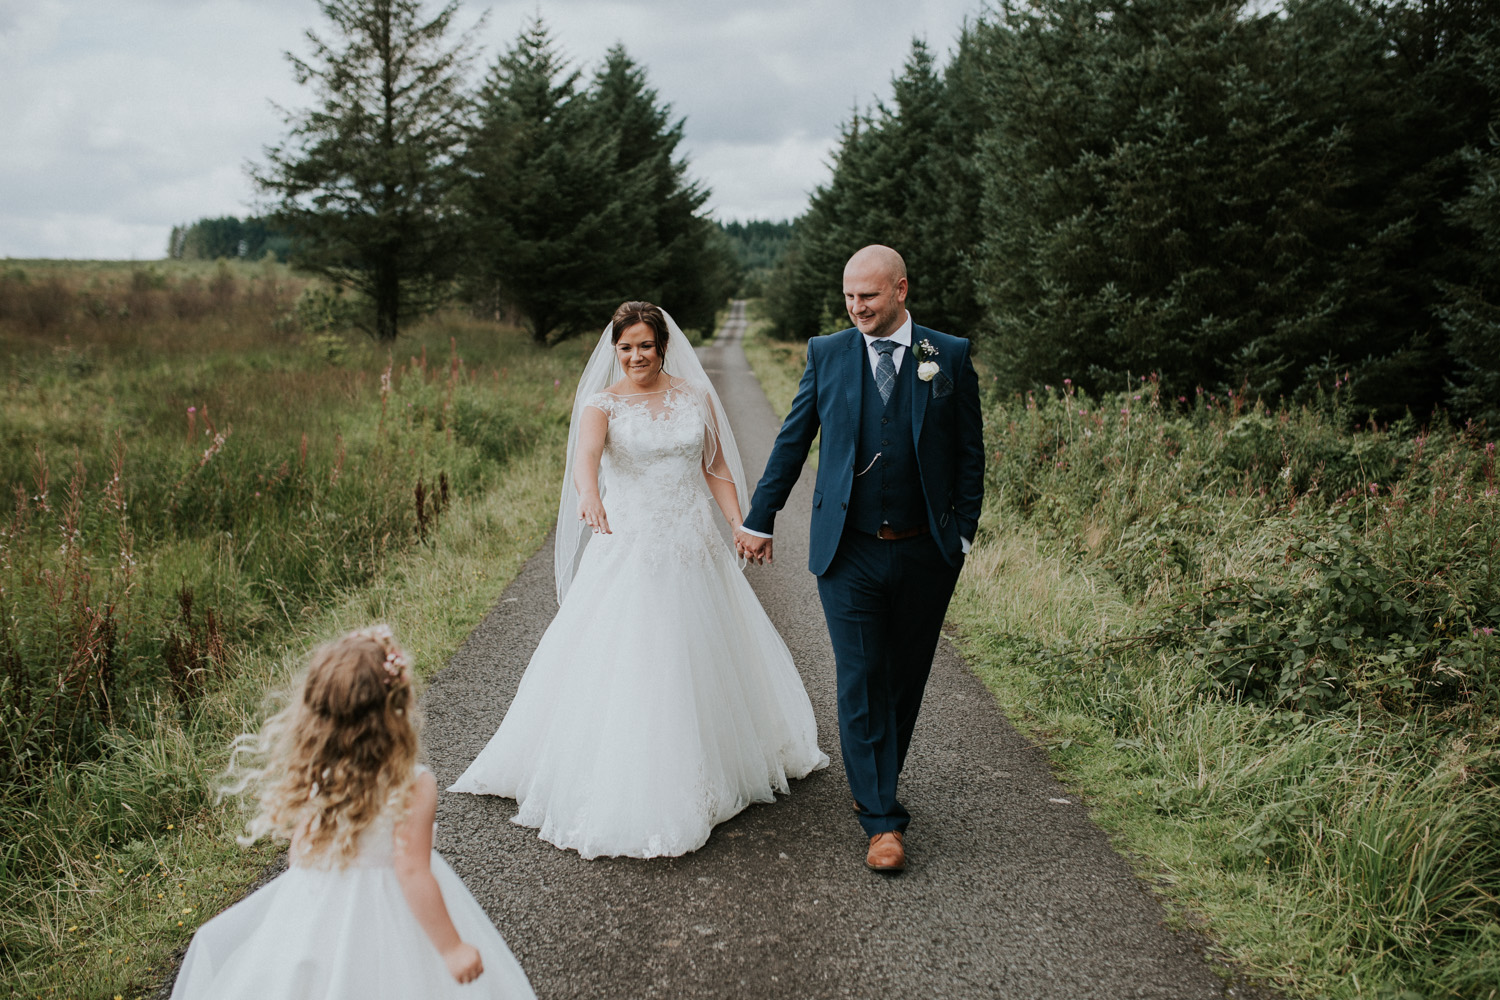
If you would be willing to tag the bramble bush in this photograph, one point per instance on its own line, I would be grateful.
(1304, 566)
(1288, 632)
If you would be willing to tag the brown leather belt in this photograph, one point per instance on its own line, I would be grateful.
(892, 535)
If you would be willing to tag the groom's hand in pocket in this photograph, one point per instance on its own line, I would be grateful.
(752, 547)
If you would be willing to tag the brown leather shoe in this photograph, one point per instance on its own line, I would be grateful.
(887, 852)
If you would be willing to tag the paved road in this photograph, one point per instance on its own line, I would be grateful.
(1008, 895)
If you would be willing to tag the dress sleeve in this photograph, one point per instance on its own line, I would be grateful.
(602, 401)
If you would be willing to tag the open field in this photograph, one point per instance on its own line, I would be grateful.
(203, 484)
(1263, 648)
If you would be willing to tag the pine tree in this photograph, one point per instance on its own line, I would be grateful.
(556, 224)
(1226, 196)
(364, 182)
(1471, 312)
(901, 178)
(1470, 309)
(690, 268)
(578, 199)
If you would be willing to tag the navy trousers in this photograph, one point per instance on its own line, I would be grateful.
(884, 602)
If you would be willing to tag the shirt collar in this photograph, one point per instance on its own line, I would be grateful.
(902, 335)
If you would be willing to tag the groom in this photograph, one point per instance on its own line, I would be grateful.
(900, 482)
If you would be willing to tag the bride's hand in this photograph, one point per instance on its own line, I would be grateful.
(591, 512)
(752, 547)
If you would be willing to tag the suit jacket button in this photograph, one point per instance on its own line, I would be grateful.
(843, 506)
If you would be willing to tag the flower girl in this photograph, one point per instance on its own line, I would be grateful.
(366, 908)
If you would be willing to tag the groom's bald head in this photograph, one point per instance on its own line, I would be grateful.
(875, 290)
(877, 261)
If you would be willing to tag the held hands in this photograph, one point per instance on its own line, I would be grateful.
(464, 963)
(591, 512)
(752, 547)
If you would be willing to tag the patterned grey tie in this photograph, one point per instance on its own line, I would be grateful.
(885, 367)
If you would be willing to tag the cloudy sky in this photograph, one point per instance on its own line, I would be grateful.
(119, 118)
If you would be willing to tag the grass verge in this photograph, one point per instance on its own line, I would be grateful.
(1319, 854)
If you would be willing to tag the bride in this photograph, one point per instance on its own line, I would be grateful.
(661, 700)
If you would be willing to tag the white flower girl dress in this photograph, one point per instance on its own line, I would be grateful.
(325, 933)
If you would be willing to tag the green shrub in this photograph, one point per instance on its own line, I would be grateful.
(1279, 639)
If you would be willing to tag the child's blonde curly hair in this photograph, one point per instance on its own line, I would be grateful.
(342, 752)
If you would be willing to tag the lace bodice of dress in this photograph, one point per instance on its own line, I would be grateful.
(652, 471)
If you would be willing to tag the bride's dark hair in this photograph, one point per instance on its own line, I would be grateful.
(631, 313)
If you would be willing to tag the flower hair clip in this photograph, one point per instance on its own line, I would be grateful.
(396, 661)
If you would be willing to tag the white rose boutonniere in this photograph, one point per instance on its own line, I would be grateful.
(927, 368)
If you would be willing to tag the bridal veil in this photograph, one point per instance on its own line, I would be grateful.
(721, 459)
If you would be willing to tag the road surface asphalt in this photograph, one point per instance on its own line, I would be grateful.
(1011, 892)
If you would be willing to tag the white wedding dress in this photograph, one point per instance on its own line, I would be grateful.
(661, 700)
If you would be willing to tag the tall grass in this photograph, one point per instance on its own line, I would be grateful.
(1264, 646)
(193, 496)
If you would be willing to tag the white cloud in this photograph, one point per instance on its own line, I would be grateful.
(123, 117)
(765, 179)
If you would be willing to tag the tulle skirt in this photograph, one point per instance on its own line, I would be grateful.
(315, 934)
(660, 702)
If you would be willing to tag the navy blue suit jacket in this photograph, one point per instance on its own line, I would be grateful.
(946, 428)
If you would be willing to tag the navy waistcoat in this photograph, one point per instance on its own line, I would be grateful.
(890, 491)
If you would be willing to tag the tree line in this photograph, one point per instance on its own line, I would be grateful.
(1255, 200)
(759, 245)
(228, 237)
(539, 194)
